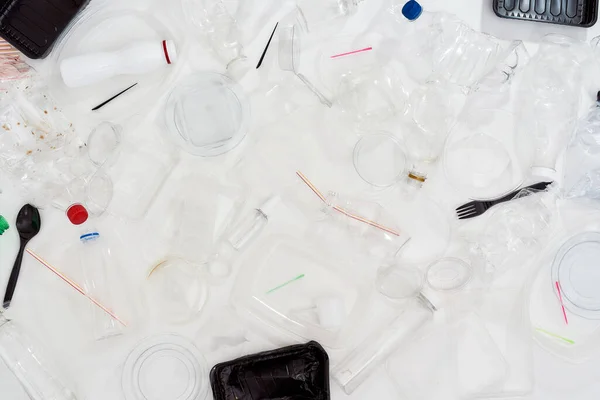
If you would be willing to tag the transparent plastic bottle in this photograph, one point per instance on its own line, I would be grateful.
(95, 258)
(27, 364)
(251, 226)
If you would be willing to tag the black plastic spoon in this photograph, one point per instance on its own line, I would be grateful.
(28, 225)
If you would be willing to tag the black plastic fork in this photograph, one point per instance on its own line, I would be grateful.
(477, 208)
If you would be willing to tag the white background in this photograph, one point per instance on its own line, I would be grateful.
(49, 313)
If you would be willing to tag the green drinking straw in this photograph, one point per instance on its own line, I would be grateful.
(555, 335)
(286, 283)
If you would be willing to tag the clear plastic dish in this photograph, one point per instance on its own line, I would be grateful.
(166, 367)
(207, 114)
(448, 274)
(283, 282)
(110, 29)
(379, 159)
(575, 267)
(483, 157)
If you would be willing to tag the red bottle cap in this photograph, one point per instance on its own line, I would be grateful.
(77, 214)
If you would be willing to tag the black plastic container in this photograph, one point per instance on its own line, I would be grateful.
(298, 372)
(582, 13)
(32, 26)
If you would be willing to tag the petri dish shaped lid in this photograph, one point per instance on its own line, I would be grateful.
(379, 159)
(577, 270)
(448, 274)
(207, 114)
(166, 367)
(107, 29)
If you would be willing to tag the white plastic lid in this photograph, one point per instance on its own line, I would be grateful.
(544, 172)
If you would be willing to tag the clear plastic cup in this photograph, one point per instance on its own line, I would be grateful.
(379, 159)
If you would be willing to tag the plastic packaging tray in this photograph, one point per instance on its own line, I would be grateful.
(294, 372)
(582, 13)
(33, 26)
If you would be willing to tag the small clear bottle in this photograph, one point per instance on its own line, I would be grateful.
(95, 258)
(251, 226)
(27, 364)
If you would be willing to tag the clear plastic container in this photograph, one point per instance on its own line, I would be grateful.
(290, 49)
(372, 353)
(28, 365)
(137, 174)
(316, 14)
(104, 29)
(167, 367)
(550, 99)
(484, 157)
(372, 96)
(176, 290)
(207, 114)
(284, 281)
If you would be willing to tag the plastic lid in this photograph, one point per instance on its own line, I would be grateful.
(77, 214)
(167, 367)
(412, 10)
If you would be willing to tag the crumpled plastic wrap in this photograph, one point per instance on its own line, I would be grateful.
(299, 372)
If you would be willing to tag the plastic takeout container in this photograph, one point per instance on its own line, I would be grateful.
(294, 372)
(32, 31)
(580, 13)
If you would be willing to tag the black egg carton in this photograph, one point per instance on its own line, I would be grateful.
(33, 26)
(581, 13)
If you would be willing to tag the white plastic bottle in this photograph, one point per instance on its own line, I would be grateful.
(95, 259)
(28, 365)
(137, 58)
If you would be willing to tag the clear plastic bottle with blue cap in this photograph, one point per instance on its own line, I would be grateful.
(95, 258)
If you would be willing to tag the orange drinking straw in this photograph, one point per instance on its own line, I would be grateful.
(74, 286)
(343, 211)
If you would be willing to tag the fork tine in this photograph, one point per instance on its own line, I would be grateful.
(466, 206)
(468, 216)
(466, 210)
(471, 214)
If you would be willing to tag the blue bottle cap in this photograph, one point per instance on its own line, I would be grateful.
(412, 10)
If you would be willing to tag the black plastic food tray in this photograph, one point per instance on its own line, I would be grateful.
(582, 13)
(32, 26)
(299, 372)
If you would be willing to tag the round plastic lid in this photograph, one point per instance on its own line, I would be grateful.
(412, 10)
(207, 114)
(448, 274)
(576, 269)
(166, 367)
(77, 214)
(379, 159)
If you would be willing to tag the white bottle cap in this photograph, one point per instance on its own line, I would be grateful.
(269, 205)
(170, 51)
